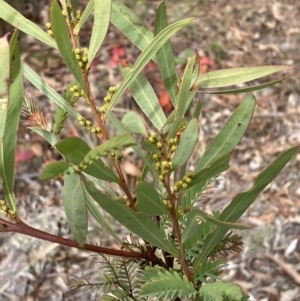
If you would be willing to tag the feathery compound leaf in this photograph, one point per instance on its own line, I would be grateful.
(218, 290)
(168, 285)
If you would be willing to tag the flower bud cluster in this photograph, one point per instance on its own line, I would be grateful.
(77, 92)
(162, 158)
(49, 30)
(6, 210)
(81, 56)
(164, 167)
(125, 200)
(107, 99)
(184, 183)
(88, 125)
(167, 203)
(117, 155)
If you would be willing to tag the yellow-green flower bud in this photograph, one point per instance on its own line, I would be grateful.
(180, 213)
(173, 148)
(76, 94)
(175, 187)
(81, 64)
(48, 25)
(82, 123)
(93, 130)
(185, 185)
(84, 59)
(77, 51)
(159, 145)
(98, 130)
(112, 89)
(2, 202)
(50, 33)
(169, 205)
(190, 174)
(107, 99)
(78, 57)
(187, 179)
(161, 177)
(85, 50)
(180, 183)
(64, 12)
(155, 157)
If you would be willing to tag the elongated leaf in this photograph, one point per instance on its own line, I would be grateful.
(243, 201)
(4, 82)
(231, 133)
(165, 56)
(116, 143)
(148, 53)
(248, 89)
(74, 200)
(210, 171)
(4, 63)
(121, 129)
(100, 26)
(187, 144)
(138, 223)
(130, 25)
(229, 77)
(42, 86)
(196, 214)
(48, 136)
(133, 123)
(149, 201)
(13, 17)
(85, 15)
(101, 219)
(202, 178)
(53, 170)
(146, 98)
(186, 82)
(64, 44)
(75, 150)
(11, 114)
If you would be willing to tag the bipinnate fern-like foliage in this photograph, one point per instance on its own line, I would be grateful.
(220, 291)
(166, 285)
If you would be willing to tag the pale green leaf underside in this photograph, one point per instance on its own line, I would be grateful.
(146, 98)
(229, 77)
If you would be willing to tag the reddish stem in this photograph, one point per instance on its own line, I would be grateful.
(20, 227)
